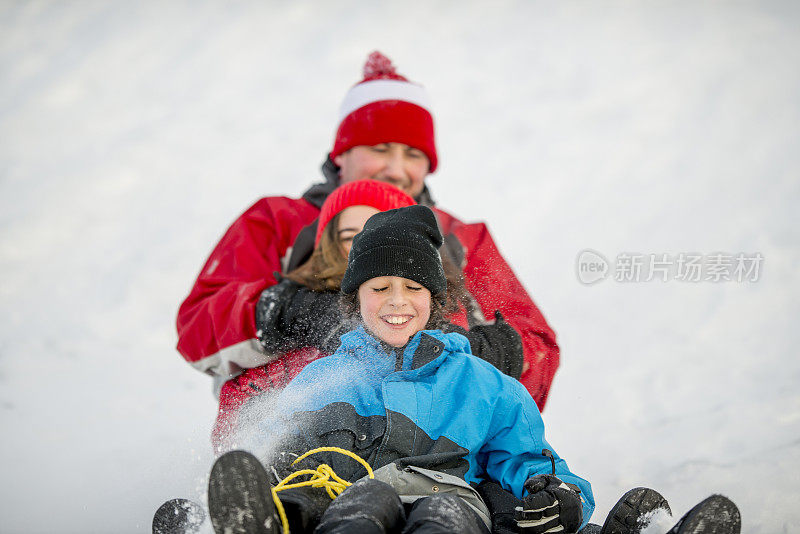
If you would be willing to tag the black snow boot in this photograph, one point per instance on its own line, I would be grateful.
(715, 515)
(240, 496)
(626, 517)
(501, 504)
(304, 507)
(178, 516)
(443, 514)
(367, 507)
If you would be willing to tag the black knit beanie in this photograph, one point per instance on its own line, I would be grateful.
(402, 242)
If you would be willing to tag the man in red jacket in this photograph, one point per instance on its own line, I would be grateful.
(385, 133)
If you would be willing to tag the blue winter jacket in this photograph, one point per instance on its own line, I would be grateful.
(431, 404)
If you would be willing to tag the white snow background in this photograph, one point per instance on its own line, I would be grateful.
(133, 133)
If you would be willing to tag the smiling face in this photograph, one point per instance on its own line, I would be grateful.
(394, 308)
(350, 222)
(403, 166)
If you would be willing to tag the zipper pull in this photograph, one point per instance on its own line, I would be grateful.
(547, 454)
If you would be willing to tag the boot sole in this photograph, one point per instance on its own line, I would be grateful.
(625, 516)
(240, 496)
(715, 515)
(178, 516)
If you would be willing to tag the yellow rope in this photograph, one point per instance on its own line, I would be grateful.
(321, 477)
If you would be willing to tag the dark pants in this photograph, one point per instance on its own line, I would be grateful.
(373, 507)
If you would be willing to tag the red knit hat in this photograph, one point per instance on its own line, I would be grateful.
(385, 107)
(379, 195)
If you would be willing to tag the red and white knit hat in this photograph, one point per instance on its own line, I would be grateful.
(385, 107)
(379, 195)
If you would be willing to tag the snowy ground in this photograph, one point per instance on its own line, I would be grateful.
(132, 133)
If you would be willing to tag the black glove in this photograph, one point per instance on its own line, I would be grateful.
(550, 504)
(498, 344)
(281, 465)
(290, 316)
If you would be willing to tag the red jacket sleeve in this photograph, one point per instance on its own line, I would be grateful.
(495, 287)
(216, 330)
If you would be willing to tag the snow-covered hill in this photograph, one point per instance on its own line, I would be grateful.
(132, 133)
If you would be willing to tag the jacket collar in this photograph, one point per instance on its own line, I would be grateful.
(424, 348)
(429, 349)
(317, 193)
